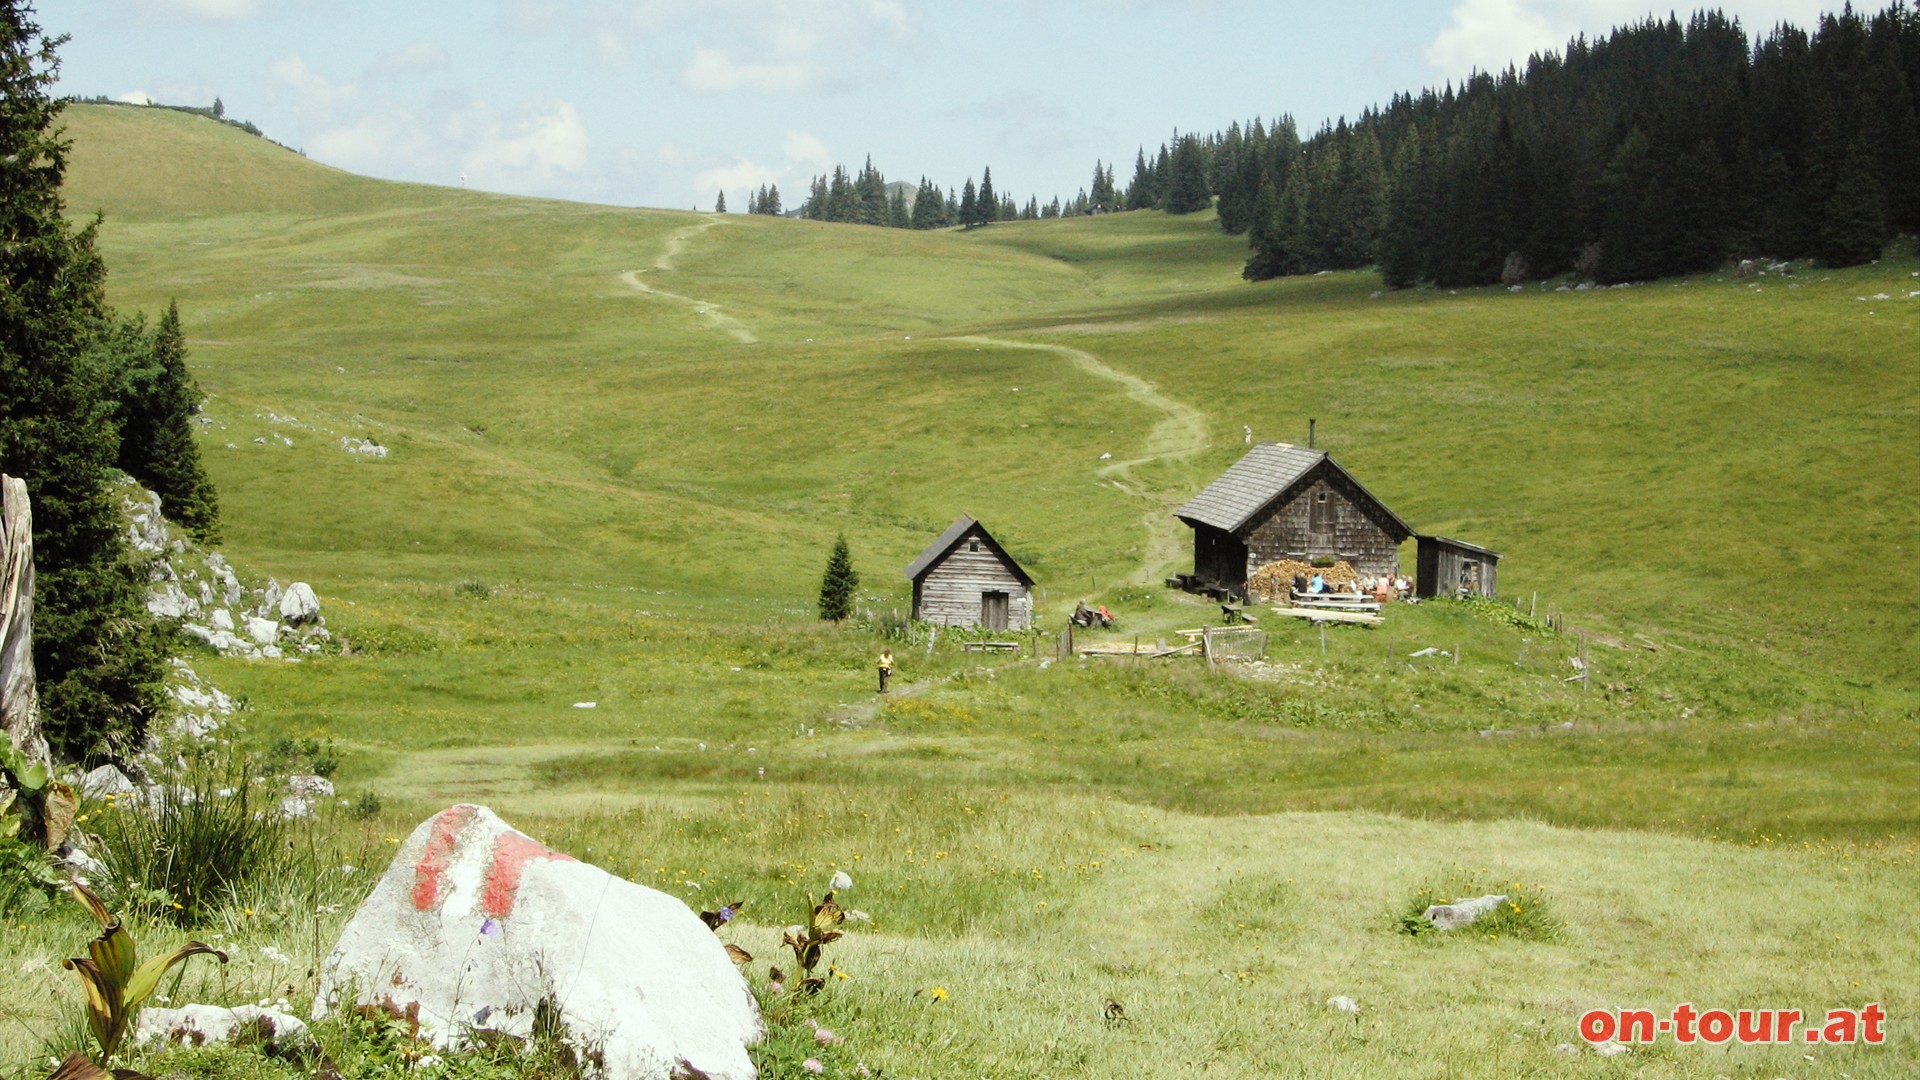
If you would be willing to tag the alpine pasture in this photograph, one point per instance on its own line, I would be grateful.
(621, 443)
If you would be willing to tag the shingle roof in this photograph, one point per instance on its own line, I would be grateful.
(951, 539)
(1249, 484)
(1462, 544)
(1252, 483)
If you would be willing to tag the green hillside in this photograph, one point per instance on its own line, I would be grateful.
(622, 441)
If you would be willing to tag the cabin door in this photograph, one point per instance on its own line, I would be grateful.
(993, 610)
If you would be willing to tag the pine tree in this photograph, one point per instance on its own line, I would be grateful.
(770, 203)
(1140, 191)
(987, 207)
(157, 401)
(720, 203)
(1855, 228)
(97, 652)
(928, 207)
(838, 584)
(1265, 236)
(1187, 189)
(969, 205)
(1400, 250)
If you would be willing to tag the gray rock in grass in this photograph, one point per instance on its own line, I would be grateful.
(1463, 912)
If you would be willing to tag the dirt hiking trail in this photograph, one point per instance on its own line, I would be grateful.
(706, 309)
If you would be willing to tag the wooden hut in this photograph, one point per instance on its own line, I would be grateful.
(1454, 568)
(965, 578)
(1286, 502)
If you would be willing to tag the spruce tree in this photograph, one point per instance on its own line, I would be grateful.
(1140, 191)
(969, 205)
(837, 586)
(157, 401)
(1855, 229)
(720, 203)
(1187, 189)
(97, 652)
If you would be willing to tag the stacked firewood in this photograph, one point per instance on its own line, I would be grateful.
(1275, 580)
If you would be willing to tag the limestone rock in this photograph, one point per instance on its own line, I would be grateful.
(197, 1025)
(299, 606)
(1462, 912)
(104, 781)
(222, 619)
(262, 631)
(479, 924)
(318, 787)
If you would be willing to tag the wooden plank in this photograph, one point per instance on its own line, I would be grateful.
(1330, 615)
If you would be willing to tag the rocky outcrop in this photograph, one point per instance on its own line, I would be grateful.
(200, 591)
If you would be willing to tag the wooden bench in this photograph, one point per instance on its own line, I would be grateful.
(990, 646)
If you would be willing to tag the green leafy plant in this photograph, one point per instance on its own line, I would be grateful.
(808, 940)
(116, 984)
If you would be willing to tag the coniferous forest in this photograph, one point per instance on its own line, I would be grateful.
(1662, 148)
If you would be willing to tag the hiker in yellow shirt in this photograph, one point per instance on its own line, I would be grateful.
(886, 667)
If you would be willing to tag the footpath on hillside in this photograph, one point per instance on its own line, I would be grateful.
(1180, 432)
(706, 309)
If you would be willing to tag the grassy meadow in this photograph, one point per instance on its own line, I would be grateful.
(622, 441)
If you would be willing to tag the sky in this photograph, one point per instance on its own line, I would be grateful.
(668, 103)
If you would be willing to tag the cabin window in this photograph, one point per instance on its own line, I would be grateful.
(973, 545)
(1320, 518)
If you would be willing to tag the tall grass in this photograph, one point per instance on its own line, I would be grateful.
(203, 831)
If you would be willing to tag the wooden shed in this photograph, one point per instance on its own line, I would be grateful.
(1286, 502)
(1454, 568)
(965, 578)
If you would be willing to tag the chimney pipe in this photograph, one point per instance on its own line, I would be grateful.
(1310, 423)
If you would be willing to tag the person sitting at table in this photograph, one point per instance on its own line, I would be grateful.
(1317, 585)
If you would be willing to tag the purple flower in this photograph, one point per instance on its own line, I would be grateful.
(489, 928)
(813, 1065)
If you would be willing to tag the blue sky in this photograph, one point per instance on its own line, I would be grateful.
(666, 102)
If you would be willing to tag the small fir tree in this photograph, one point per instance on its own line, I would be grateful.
(157, 402)
(720, 203)
(838, 584)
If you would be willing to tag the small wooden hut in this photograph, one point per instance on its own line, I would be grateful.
(1286, 502)
(965, 578)
(1454, 568)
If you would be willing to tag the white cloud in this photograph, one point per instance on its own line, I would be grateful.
(714, 72)
(196, 10)
(314, 93)
(529, 147)
(135, 97)
(419, 57)
(807, 150)
(1490, 34)
(535, 144)
(740, 176)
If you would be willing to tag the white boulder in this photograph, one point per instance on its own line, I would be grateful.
(311, 786)
(479, 924)
(222, 619)
(1463, 912)
(262, 631)
(197, 1025)
(104, 781)
(299, 606)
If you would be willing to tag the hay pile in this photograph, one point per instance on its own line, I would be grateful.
(1275, 580)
